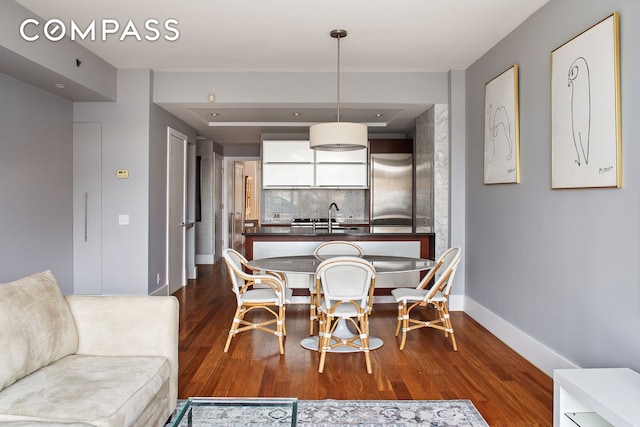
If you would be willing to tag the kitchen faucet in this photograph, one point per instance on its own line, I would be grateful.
(332, 205)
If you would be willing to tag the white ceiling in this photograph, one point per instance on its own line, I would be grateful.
(292, 35)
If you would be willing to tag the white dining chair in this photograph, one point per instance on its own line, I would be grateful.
(423, 296)
(271, 296)
(324, 251)
(347, 284)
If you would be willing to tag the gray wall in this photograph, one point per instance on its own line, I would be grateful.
(125, 145)
(560, 265)
(36, 175)
(134, 137)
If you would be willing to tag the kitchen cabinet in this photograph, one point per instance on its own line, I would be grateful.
(341, 175)
(292, 164)
(287, 164)
(287, 175)
(287, 152)
(353, 156)
(342, 169)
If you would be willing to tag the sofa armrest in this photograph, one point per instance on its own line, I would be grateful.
(129, 326)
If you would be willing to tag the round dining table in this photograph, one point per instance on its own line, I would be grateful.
(307, 264)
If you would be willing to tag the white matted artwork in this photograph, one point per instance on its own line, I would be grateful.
(502, 129)
(585, 109)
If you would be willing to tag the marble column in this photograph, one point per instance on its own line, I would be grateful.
(432, 174)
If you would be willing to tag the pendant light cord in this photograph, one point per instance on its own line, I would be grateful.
(338, 101)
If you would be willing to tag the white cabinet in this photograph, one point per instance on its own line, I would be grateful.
(341, 175)
(288, 164)
(342, 168)
(596, 397)
(287, 175)
(287, 152)
(353, 156)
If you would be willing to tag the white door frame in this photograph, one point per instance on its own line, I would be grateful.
(183, 274)
(218, 206)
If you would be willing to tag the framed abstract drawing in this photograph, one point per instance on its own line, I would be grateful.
(502, 129)
(585, 109)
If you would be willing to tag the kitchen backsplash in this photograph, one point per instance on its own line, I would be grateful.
(281, 206)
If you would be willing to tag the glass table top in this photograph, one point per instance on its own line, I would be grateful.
(309, 263)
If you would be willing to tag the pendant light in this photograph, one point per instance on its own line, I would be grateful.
(338, 136)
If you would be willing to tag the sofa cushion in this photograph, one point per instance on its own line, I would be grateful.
(37, 326)
(96, 390)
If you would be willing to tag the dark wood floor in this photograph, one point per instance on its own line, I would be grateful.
(505, 388)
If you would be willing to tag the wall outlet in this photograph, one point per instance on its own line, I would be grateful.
(123, 219)
(350, 216)
(276, 215)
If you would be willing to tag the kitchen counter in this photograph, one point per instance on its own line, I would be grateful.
(306, 231)
(257, 236)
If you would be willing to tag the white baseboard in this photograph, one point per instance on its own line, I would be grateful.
(535, 352)
(204, 259)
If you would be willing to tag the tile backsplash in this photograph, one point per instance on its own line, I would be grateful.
(281, 206)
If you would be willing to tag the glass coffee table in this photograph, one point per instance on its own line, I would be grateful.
(221, 411)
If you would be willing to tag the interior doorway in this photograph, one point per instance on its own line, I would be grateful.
(243, 185)
(218, 211)
(176, 273)
(235, 201)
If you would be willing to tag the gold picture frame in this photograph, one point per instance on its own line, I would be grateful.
(586, 142)
(502, 129)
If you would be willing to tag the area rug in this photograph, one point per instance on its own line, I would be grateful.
(364, 413)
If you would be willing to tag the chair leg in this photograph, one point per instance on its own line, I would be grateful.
(364, 340)
(404, 314)
(280, 328)
(323, 340)
(449, 325)
(312, 312)
(399, 325)
(234, 328)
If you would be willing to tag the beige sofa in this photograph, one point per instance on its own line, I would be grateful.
(85, 360)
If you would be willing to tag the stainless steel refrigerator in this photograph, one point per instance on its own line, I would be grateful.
(391, 192)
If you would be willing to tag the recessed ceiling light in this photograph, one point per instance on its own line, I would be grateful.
(60, 85)
(379, 115)
(296, 114)
(214, 114)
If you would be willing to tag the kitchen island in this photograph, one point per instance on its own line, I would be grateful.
(256, 237)
(264, 242)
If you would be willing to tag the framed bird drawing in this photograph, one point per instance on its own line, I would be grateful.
(586, 147)
(502, 129)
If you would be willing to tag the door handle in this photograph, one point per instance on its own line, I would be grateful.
(86, 216)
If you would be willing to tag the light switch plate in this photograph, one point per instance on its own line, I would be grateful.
(123, 219)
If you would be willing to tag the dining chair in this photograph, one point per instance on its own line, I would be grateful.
(347, 285)
(422, 296)
(324, 251)
(272, 295)
(256, 271)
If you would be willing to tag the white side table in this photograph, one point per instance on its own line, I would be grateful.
(601, 397)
